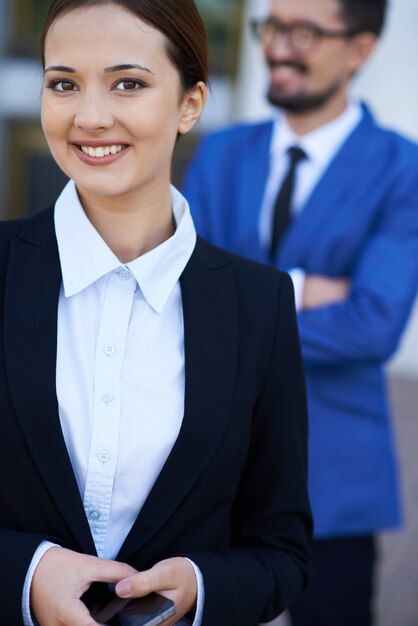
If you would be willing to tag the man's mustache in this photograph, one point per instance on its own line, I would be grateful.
(296, 65)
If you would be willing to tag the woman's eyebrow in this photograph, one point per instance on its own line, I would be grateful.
(126, 66)
(60, 68)
(122, 67)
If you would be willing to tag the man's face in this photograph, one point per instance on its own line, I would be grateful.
(302, 80)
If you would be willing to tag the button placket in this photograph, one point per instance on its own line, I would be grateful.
(111, 340)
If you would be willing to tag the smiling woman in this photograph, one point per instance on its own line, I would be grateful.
(118, 114)
(151, 387)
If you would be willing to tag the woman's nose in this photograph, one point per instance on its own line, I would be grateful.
(93, 114)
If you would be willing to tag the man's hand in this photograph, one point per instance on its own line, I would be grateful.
(61, 578)
(321, 291)
(174, 578)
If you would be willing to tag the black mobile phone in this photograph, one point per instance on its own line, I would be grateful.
(110, 610)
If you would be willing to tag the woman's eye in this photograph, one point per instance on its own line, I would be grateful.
(129, 85)
(62, 86)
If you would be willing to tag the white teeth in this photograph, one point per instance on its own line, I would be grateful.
(101, 151)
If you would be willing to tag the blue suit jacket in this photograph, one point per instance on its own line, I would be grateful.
(360, 222)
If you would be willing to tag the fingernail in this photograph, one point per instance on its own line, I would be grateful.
(124, 589)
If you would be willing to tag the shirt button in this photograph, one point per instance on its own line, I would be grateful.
(107, 397)
(109, 349)
(104, 456)
(124, 275)
(94, 515)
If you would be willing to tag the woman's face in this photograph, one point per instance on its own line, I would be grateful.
(112, 105)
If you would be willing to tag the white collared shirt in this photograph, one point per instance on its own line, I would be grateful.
(120, 366)
(320, 146)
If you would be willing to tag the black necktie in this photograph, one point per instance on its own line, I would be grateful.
(282, 206)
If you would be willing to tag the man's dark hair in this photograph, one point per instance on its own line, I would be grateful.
(364, 15)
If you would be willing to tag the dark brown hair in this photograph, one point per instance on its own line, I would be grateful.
(364, 15)
(178, 20)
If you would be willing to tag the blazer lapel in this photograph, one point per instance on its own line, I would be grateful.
(211, 338)
(32, 291)
(353, 163)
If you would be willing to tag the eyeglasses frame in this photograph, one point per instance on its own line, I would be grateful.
(318, 33)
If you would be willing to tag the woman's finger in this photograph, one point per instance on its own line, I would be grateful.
(174, 578)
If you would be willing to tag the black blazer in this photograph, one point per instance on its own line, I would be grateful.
(232, 495)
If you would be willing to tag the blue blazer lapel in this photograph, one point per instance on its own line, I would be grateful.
(34, 277)
(352, 166)
(210, 312)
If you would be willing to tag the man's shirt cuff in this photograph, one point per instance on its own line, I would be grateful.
(298, 279)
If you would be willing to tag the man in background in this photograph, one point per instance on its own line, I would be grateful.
(325, 193)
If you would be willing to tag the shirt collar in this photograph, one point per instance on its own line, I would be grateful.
(85, 257)
(320, 144)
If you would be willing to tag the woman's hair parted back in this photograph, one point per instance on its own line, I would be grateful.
(178, 20)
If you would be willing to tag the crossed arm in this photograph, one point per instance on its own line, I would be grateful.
(321, 291)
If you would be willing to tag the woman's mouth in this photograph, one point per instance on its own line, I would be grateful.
(102, 151)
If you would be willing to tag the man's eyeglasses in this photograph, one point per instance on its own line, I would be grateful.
(302, 36)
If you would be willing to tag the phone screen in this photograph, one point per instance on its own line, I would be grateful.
(110, 610)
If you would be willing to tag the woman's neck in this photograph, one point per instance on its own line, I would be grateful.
(131, 225)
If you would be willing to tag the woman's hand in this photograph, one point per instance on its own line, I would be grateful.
(61, 578)
(174, 578)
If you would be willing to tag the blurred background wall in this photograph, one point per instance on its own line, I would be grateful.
(29, 181)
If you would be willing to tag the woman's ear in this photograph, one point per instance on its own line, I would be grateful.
(192, 107)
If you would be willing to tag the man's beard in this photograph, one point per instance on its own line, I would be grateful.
(300, 103)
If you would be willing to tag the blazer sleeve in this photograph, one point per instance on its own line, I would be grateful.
(268, 563)
(16, 553)
(16, 548)
(368, 326)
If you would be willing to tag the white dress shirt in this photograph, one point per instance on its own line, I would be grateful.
(320, 146)
(120, 369)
